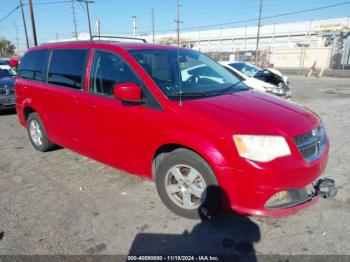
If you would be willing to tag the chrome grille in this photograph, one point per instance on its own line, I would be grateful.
(312, 144)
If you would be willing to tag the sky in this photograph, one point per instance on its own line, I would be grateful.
(55, 16)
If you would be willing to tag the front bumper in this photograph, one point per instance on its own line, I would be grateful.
(285, 92)
(7, 101)
(248, 191)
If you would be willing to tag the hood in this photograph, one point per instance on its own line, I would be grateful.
(254, 112)
(278, 74)
(7, 82)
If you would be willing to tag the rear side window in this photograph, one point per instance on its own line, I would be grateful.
(33, 65)
(67, 67)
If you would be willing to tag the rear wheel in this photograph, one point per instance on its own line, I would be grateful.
(187, 185)
(37, 133)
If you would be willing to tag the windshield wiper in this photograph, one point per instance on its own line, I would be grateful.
(224, 90)
(205, 94)
(187, 94)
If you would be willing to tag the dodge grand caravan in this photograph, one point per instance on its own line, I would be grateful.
(207, 142)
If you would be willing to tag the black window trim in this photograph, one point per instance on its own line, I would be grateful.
(81, 90)
(148, 104)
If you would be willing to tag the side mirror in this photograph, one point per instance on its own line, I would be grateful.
(14, 62)
(128, 93)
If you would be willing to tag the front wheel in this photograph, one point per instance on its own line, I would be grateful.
(187, 185)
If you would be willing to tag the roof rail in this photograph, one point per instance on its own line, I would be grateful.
(114, 38)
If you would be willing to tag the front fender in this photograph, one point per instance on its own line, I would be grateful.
(209, 150)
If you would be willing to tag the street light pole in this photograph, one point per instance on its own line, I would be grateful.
(24, 24)
(258, 35)
(134, 25)
(33, 22)
(152, 16)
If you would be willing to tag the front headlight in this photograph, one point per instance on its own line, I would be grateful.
(261, 148)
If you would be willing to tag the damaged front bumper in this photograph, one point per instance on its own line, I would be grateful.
(281, 91)
(324, 188)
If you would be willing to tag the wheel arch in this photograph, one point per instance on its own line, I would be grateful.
(27, 110)
(204, 149)
(30, 107)
(162, 151)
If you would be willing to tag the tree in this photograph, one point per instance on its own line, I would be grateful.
(7, 49)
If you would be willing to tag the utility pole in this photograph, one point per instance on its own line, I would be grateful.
(74, 21)
(178, 22)
(17, 39)
(24, 24)
(152, 17)
(56, 37)
(87, 11)
(33, 22)
(88, 15)
(258, 35)
(134, 25)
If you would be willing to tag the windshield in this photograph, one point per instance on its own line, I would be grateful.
(7, 72)
(247, 69)
(187, 72)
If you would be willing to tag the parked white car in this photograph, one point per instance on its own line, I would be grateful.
(274, 82)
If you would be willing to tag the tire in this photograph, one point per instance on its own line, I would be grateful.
(181, 195)
(37, 134)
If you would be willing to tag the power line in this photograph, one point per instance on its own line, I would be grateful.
(52, 3)
(262, 18)
(10, 13)
(16, 8)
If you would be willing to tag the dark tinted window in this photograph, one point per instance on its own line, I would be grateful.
(67, 67)
(33, 65)
(8, 72)
(107, 71)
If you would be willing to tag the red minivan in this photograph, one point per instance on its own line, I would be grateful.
(177, 117)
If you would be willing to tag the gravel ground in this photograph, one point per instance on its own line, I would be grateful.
(62, 203)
